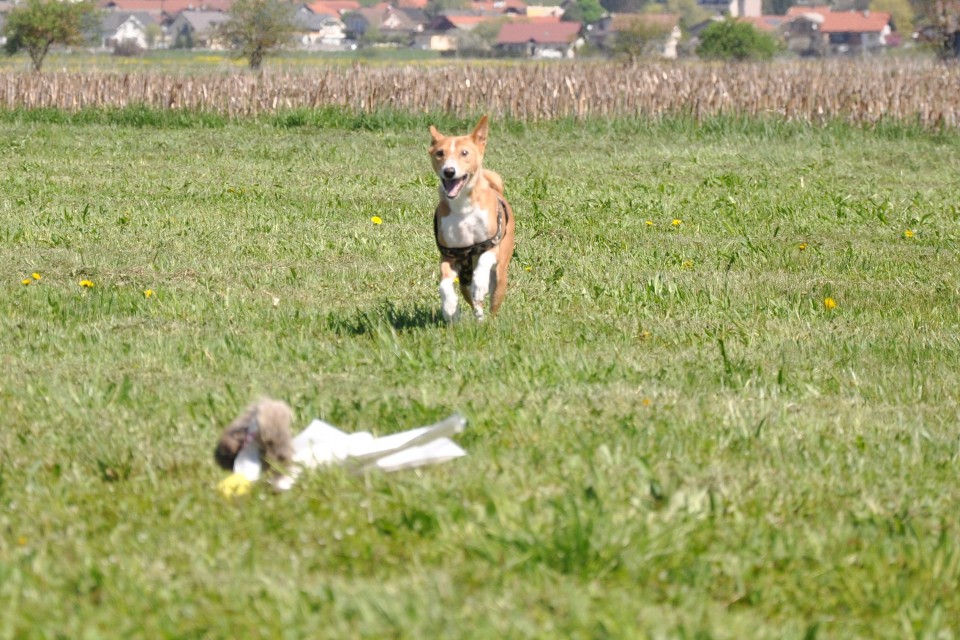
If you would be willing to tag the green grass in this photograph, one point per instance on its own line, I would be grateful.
(670, 435)
(190, 62)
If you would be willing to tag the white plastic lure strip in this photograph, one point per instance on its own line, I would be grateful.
(322, 443)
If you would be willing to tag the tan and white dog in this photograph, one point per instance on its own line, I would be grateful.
(473, 224)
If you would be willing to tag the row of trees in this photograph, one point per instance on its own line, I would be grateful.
(255, 27)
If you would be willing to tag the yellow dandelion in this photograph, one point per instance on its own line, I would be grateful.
(677, 222)
(646, 402)
(803, 246)
(376, 220)
(234, 485)
(25, 281)
(86, 284)
(22, 541)
(829, 304)
(148, 293)
(527, 268)
(649, 223)
(687, 264)
(456, 280)
(35, 275)
(908, 233)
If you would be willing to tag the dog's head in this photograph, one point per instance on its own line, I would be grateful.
(233, 438)
(458, 160)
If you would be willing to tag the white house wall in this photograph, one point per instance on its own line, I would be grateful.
(131, 30)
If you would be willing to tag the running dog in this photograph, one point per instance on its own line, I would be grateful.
(473, 223)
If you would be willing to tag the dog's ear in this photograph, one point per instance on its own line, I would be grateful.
(227, 449)
(435, 136)
(479, 134)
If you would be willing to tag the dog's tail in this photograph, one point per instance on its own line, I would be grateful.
(494, 179)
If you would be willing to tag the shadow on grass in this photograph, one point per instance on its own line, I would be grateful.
(386, 314)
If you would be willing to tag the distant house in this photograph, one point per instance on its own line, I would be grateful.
(451, 29)
(319, 30)
(455, 20)
(766, 24)
(391, 24)
(334, 7)
(196, 29)
(540, 39)
(127, 27)
(516, 7)
(164, 11)
(822, 31)
(544, 11)
(605, 33)
(3, 21)
(432, 41)
(417, 17)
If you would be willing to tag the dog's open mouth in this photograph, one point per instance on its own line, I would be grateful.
(453, 186)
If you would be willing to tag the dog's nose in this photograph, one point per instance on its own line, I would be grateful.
(449, 172)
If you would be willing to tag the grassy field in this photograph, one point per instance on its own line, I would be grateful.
(190, 62)
(720, 400)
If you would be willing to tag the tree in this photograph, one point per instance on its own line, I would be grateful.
(153, 33)
(900, 11)
(482, 37)
(940, 24)
(639, 38)
(691, 12)
(732, 40)
(37, 25)
(585, 11)
(777, 7)
(373, 35)
(257, 27)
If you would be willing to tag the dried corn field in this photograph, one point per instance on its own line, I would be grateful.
(865, 92)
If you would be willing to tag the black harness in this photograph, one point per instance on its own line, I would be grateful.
(463, 257)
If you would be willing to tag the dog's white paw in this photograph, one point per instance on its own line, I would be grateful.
(448, 300)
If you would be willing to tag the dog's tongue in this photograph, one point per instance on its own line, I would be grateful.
(453, 187)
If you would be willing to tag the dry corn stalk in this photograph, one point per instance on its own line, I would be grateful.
(925, 92)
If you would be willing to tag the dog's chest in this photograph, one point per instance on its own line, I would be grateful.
(464, 226)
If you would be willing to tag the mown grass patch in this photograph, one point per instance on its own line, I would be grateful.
(671, 433)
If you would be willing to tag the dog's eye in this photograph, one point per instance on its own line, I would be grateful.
(465, 152)
(439, 153)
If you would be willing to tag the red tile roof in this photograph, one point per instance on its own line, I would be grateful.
(469, 22)
(334, 7)
(536, 19)
(845, 21)
(169, 7)
(854, 21)
(795, 11)
(539, 32)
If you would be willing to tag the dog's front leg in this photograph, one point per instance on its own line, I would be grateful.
(448, 295)
(481, 282)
